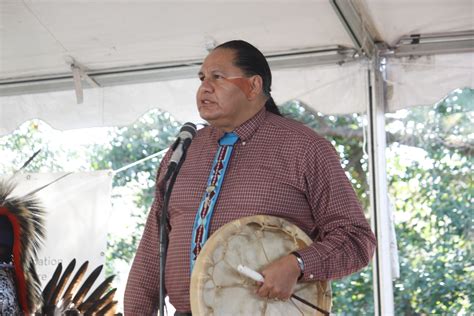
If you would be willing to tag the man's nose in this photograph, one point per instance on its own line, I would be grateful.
(206, 85)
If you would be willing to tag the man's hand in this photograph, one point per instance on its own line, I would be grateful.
(280, 278)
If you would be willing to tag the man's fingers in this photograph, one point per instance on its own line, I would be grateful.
(263, 291)
(272, 292)
(280, 278)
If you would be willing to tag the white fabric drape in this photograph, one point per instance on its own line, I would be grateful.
(428, 79)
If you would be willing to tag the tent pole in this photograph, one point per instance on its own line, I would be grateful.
(382, 272)
(363, 34)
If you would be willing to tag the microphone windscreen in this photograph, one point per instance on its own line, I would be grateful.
(190, 128)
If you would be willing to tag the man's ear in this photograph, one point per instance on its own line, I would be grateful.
(256, 87)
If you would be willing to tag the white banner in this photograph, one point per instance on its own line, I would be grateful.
(77, 211)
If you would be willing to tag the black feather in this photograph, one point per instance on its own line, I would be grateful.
(67, 296)
(62, 283)
(86, 286)
(98, 305)
(108, 309)
(97, 294)
(51, 286)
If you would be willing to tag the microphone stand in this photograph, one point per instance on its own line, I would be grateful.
(170, 179)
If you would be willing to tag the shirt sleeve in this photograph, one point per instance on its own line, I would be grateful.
(142, 290)
(344, 241)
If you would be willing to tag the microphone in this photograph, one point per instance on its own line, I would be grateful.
(185, 136)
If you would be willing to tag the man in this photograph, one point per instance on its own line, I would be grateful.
(277, 167)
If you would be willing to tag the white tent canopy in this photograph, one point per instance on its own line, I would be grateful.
(144, 54)
(121, 105)
(338, 56)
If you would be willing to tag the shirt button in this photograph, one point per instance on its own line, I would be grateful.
(311, 276)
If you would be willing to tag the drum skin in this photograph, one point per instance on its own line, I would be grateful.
(217, 288)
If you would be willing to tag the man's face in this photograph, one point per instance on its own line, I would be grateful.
(222, 98)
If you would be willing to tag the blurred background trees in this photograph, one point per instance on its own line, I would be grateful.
(429, 169)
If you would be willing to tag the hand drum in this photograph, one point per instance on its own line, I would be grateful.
(217, 288)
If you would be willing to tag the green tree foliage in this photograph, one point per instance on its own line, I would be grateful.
(30, 137)
(433, 195)
(149, 135)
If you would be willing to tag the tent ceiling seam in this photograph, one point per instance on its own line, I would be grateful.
(43, 25)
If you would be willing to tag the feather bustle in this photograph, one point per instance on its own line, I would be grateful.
(29, 233)
(27, 218)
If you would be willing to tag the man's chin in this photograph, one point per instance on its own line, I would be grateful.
(208, 115)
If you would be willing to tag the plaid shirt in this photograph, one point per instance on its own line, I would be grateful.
(279, 167)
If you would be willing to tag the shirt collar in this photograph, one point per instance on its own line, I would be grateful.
(248, 128)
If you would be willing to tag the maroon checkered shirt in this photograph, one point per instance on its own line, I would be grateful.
(279, 167)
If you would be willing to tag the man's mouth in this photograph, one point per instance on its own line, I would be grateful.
(206, 101)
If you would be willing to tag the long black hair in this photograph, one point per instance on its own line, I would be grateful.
(252, 62)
